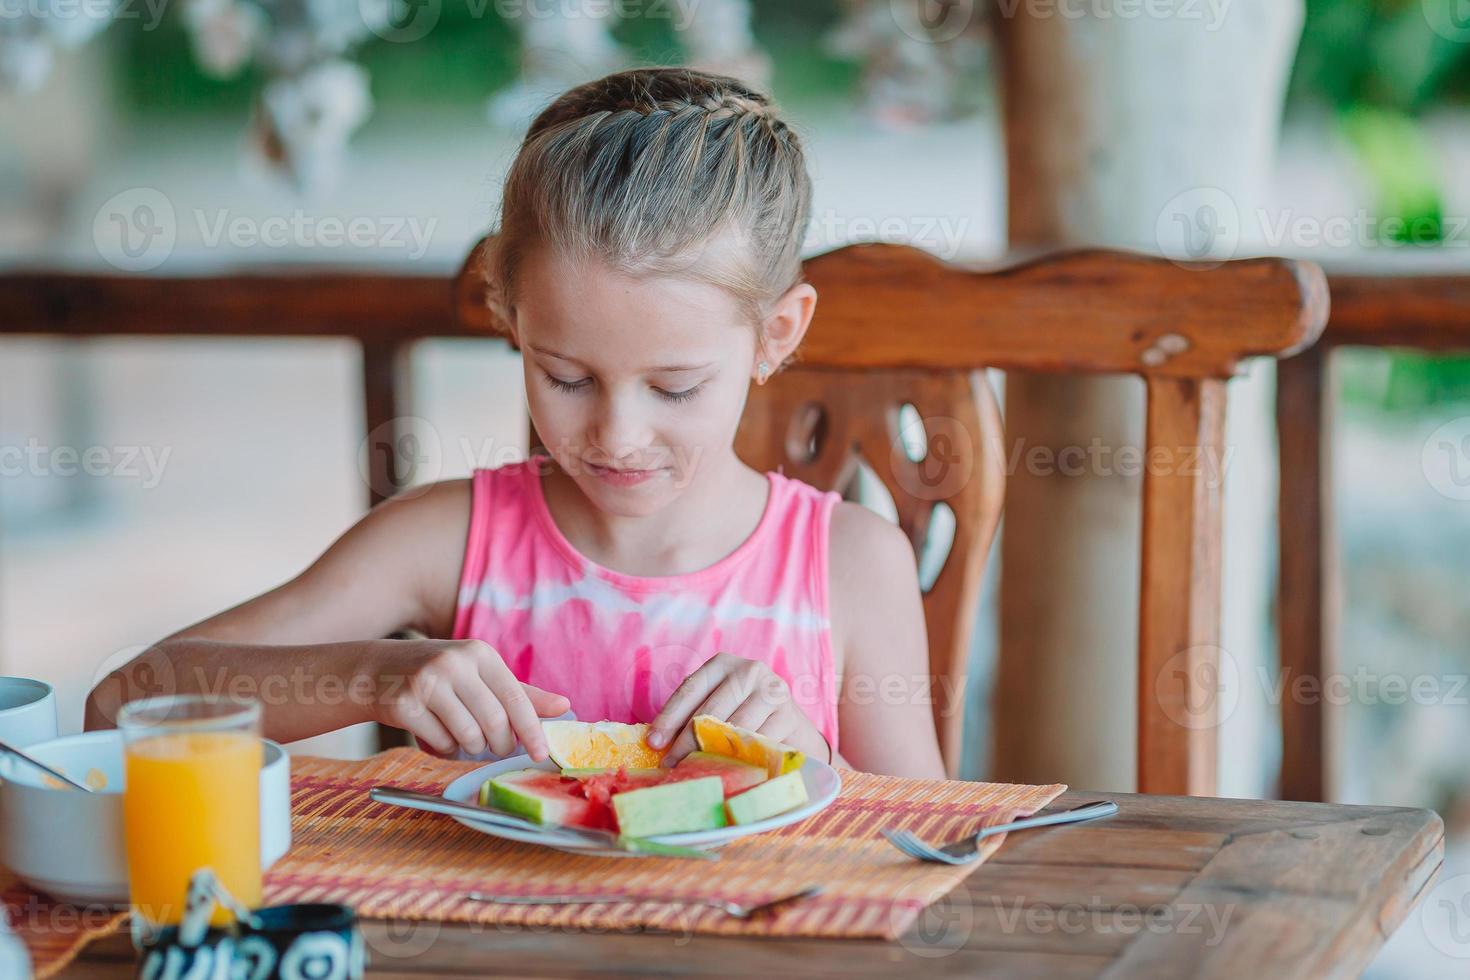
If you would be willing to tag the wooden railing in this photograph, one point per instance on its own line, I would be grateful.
(1429, 313)
(387, 313)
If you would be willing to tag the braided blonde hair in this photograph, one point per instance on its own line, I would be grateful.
(659, 171)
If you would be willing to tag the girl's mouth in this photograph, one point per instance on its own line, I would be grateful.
(622, 478)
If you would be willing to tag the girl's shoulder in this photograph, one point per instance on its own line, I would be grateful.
(870, 562)
(855, 534)
(424, 528)
(867, 549)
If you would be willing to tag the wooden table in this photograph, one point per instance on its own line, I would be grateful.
(1170, 887)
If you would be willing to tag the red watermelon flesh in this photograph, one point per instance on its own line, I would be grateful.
(548, 798)
(586, 800)
(600, 788)
(737, 776)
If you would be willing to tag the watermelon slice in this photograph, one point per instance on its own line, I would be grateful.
(601, 787)
(671, 808)
(736, 776)
(546, 798)
(598, 797)
(583, 773)
(770, 798)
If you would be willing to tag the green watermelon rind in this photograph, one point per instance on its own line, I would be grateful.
(508, 792)
(770, 799)
(687, 806)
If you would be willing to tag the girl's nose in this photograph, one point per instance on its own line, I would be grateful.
(618, 433)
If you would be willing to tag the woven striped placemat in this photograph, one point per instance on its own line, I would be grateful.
(394, 863)
(53, 932)
(391, 863)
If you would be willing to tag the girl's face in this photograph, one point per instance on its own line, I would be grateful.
(636, 386)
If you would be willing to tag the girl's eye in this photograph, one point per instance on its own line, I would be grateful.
(572, 386)
(679, 396)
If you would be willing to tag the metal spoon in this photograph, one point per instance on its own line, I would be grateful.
(53, 773)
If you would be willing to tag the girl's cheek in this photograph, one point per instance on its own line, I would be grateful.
(555, 424)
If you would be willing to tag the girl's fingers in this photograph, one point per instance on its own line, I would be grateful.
(754, 713)
(681, 705)
(432, 735)
(456, 719)
(724, 700)
(547, 705)
(516, 702)
(488, 714)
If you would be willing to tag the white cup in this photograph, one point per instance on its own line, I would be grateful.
(27, 711)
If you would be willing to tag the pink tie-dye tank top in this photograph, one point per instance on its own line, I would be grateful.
(618, 645)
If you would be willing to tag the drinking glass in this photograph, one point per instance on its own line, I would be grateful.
(191, 800)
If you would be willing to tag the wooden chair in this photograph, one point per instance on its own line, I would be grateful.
(897, 327)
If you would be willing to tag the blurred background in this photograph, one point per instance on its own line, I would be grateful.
(148, 482)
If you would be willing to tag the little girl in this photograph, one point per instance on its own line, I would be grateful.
(647, 267)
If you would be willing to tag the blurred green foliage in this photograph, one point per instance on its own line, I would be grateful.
(470, 53)
(1380, 65)
(1384, 53)
(1395, 152)
(1377, 64)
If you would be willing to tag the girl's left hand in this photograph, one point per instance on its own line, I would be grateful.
(747, 694)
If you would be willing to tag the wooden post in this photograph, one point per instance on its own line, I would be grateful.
(1108, 126)
(1179, 671)
(384, 402)
(1307, 595)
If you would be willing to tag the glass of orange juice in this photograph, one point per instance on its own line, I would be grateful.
(191, 800)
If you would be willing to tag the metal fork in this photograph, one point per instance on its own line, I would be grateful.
(729, 908)
(967, 849)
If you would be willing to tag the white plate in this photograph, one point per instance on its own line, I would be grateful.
(822, 787)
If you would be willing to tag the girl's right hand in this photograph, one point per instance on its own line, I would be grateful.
(460, 694)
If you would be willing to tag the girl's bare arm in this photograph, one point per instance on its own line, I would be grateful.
(313, 650)
(885, 714)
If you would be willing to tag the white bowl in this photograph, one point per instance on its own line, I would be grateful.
(27, 711)
(69, 844)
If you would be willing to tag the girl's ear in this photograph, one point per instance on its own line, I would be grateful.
(783, 329)
(512, 331)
